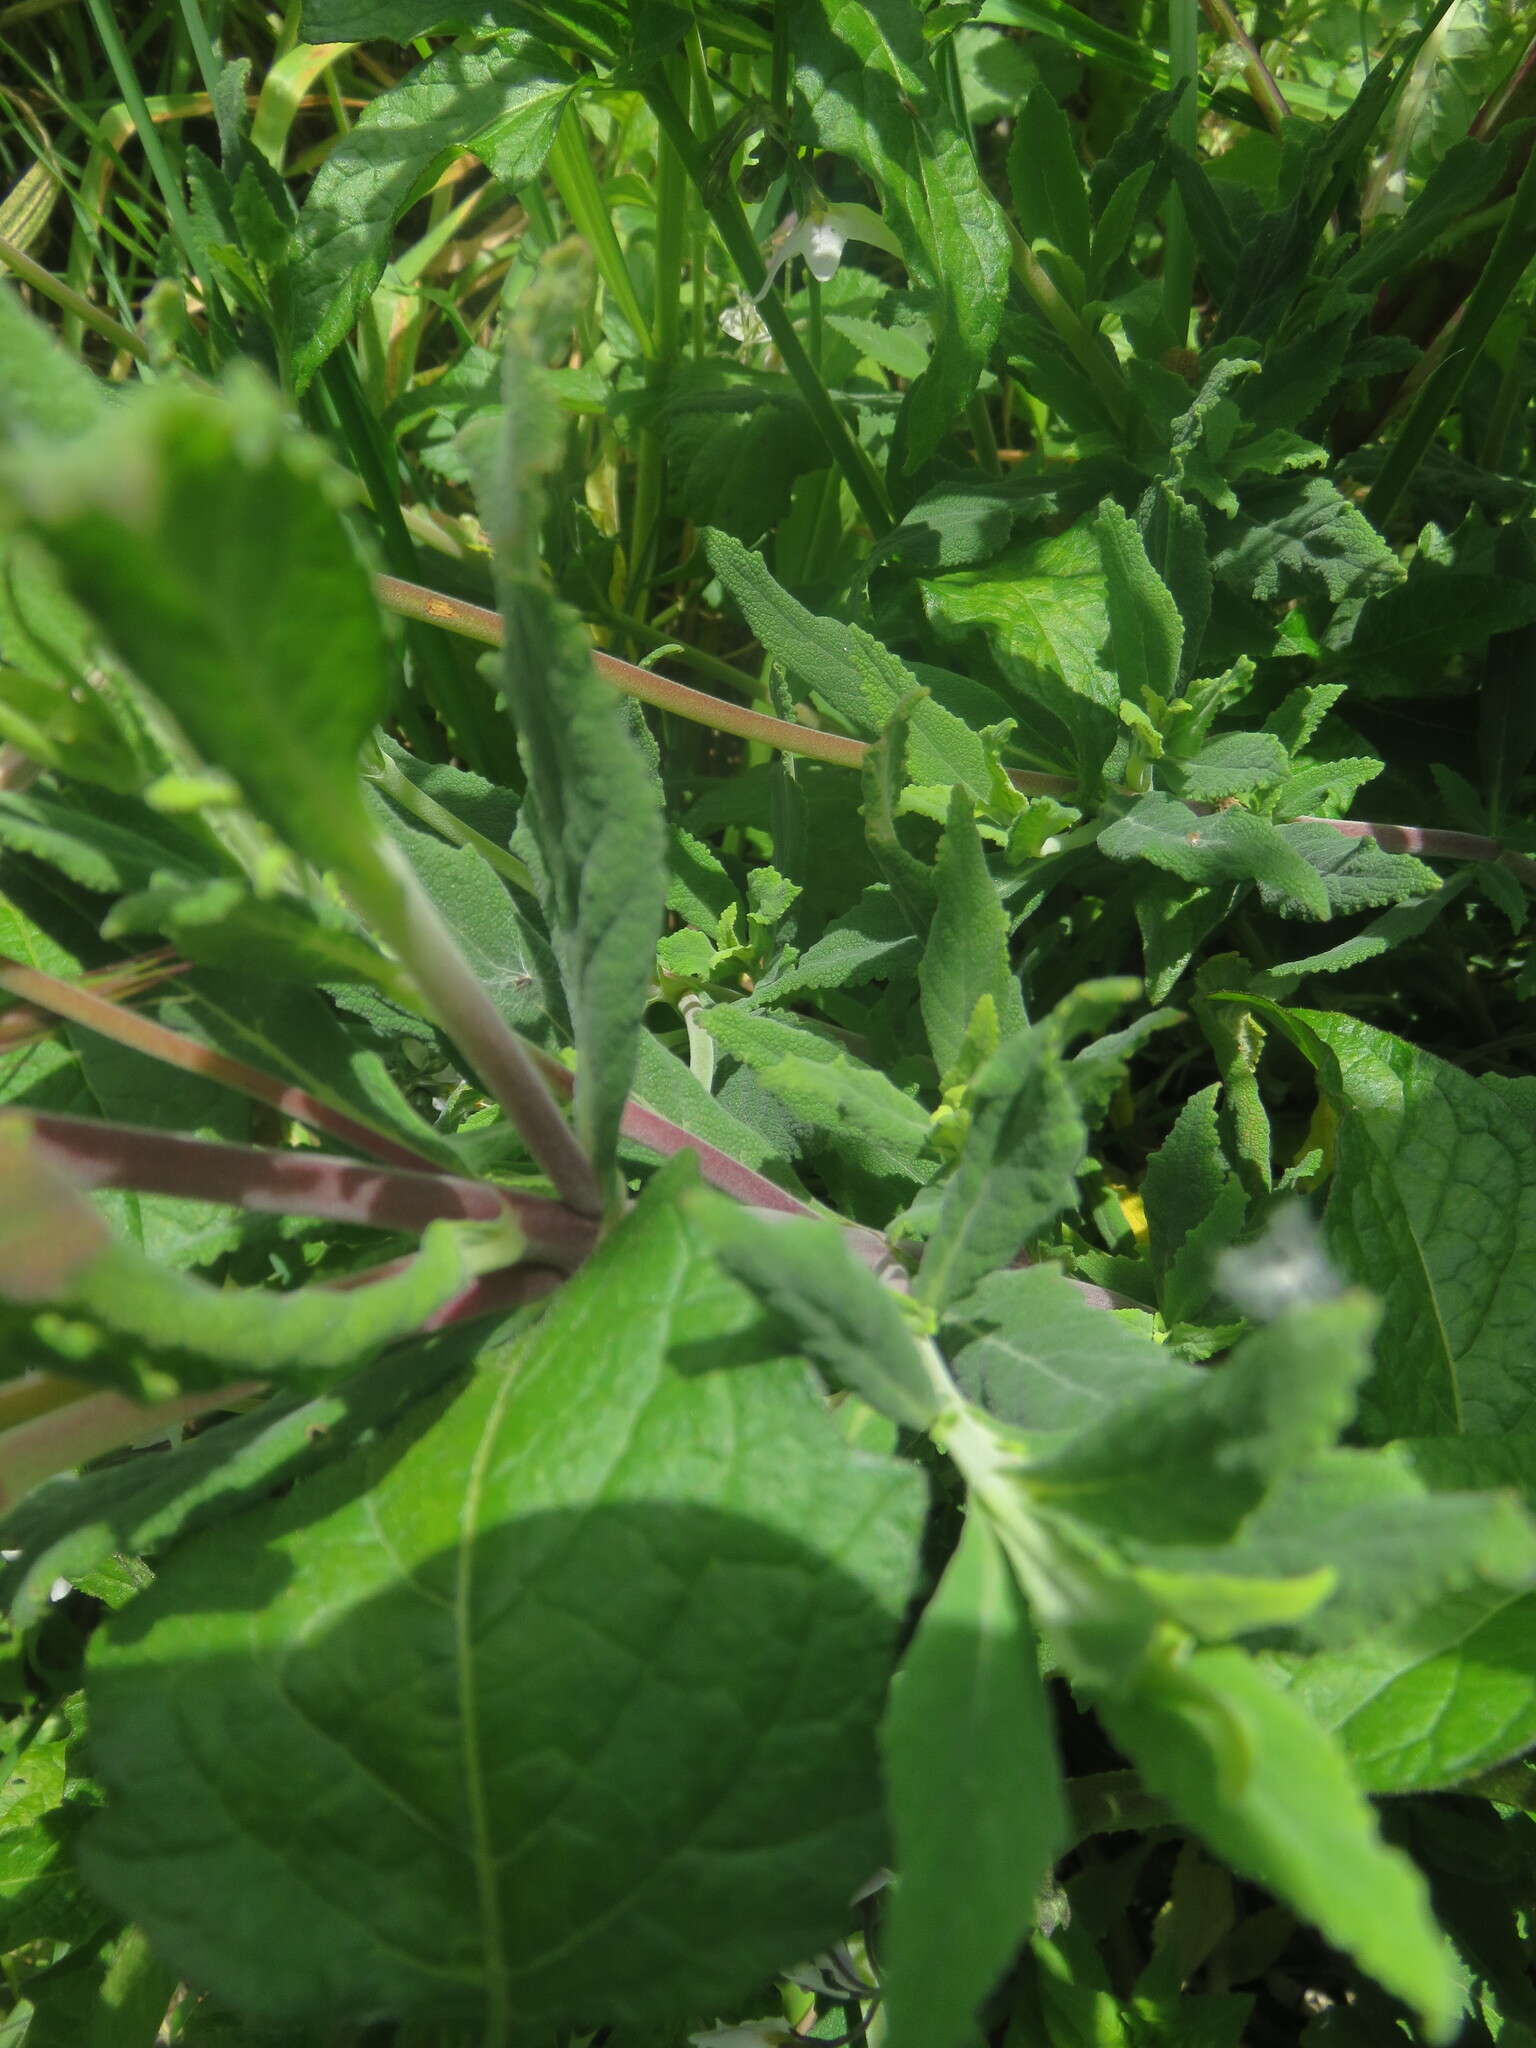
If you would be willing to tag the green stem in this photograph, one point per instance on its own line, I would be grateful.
(1512, 253)
(733, 228)
(1178, 242)
(1267, 95)
(65, 296)
(575, 180)
(400, 789)
(202, 44)
(1098, 364)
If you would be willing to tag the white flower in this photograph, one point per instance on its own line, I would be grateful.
(820, 237)
(743, 323)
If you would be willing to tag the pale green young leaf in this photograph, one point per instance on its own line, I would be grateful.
(1236, 764)
(975, 1797)
(199, 533)
(503, 107)
(868, 85)
(1271, 1793)
(597, 1572)
(966, 956)
(593, 807)
(1432, 1203)
(1146, 635)
(43, 389)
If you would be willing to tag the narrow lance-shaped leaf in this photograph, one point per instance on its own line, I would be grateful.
(868, 84)
(975, 1797)
(966, 956)
(1146, 634)
(592, 804)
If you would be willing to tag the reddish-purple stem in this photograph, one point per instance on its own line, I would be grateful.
(109, 1155)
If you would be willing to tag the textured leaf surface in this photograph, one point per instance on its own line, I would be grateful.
(966, 957)
(593, 808)
(1228, 847)
(1251, 1771)
(975, 1797)
(199, 534)
(502, 108)
(1301, 537)
(1433, 1205)
(867, 82)
(573, 1712)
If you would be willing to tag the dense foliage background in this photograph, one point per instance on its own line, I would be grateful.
(826, 1329)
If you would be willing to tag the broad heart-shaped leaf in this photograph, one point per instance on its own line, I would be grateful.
(966, 957)
(867, 82)
(974, 1793)
(560, 1708)
(863, 682)
(1269, 1791)
(503, 108)
(593, 807)
(1432, 1203)
(197, 531)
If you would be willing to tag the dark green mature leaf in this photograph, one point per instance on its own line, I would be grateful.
(830, 1306)
(1195, 1207)
(974, 1793)
(1232, 846)
(1432, 1204)
(501, 107)
(560, 1708)
(1032, 1351)
(868, 84)
(966, 957)
(862, 681)
(199, 532)
(592, 805)
(1269, 1791)
(70, 1524)
(872, 941)
(1049, 193)
(1298, 537)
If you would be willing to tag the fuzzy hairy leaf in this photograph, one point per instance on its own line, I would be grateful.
(593, 1572)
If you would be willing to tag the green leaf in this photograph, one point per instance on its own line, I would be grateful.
(868, 86)
(174, 523)
(1049, 194)
(561, 1707)
(1028, 1347)
(862, 681)
(593, 807)
(1017, 1172)
(1232, 846)
(1236, 764)
(1195, 1207)
(1044, 611)
(871, 942)
(1271, 1793)
(852, 1109)
(503, 108)
(1300, 537)
(1433, 1205)
(43, 388)
(966, 957)
(829, 1306)
(115, 1316)
(1146, 635)
(974, 1793)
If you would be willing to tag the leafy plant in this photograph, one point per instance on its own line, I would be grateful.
(776, 1357)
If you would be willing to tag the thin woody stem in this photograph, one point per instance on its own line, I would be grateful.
(77, 1004)
(479, 622)
(112, 1155)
